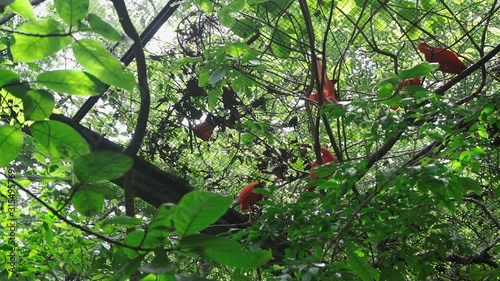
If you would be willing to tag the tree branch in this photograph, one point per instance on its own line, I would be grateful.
(142, 119)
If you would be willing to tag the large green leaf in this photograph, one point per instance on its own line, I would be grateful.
(72, 11)
(97, 61)
(101, 165)
(60, 139)
(38, 105)
(8, 77)
(37, 40)
(360, 267)
(418, 70)
(224, 14)
(140, 238)
(88, 202)
(122, 221)
(385, 88)
(103, 28)
(74, 82)
(11, 141)
(205, 5)
(163, 219)
(197, 210)
(224, 251)
(23, 8)
(218, 75)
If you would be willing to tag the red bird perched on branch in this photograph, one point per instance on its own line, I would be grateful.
(204, 130)
(326, 157)
(248, 198)
(413, 81)
(328, 87)
(449, 61)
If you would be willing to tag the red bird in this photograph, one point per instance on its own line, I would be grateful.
(326, 157)
(328, 87)
(204, 130)
(414, 81)
(248, 198)
(448, 60)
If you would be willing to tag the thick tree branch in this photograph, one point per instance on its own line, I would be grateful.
(142, 119)
(442, 90)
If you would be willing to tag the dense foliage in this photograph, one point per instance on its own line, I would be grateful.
(226, 102)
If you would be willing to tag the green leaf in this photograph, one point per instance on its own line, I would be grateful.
(392, 273)
(161, 226)
(46, 39)
(225, 18)
(206, 5)
(8, 77)
(72, 11)
(97, 61)
(218, 75)
(360, 268)
(88, 202)
(333, 110)
(48, 235)
(162, 219)
(60, 139)
(386, 88)
(122, 221)
(470, 184)
(418, 70)
(197, 210)
(18, 90)
(103, 28)
(224, 251)
(198, 242)
(224, 13)
(242, 259)
(38, 105)
(73, 82)
(101, 165)
(127, 267)
(138, 238)
(23, 8)
(213, 98)
(11, 141)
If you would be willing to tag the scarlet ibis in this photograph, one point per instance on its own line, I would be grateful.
(328, 87)
(413, 81)
(248, 198)
(326, 157)
(204, 130)
(449, 61)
